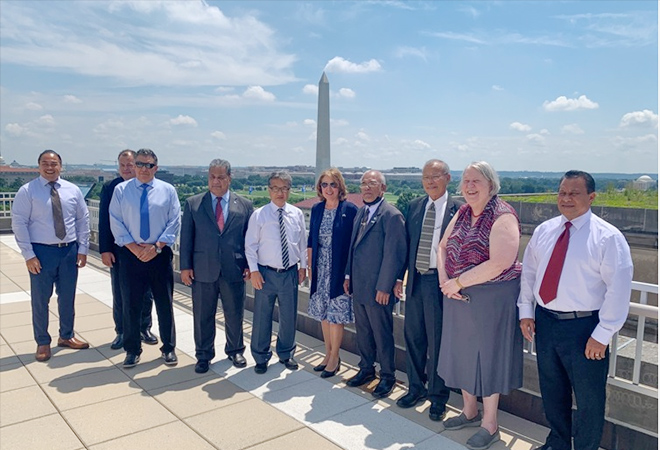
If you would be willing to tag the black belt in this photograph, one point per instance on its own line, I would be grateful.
(61, 244)
(281, 270)
(431, 271)
(570, 314)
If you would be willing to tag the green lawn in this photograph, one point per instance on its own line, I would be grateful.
(628, 198)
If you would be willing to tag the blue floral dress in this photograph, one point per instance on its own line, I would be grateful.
(337, 310)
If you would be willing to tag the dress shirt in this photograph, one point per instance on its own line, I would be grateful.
(371, 209)
(225, 205)
(164, 212)
(597, 272)
(440, 207)
(32, 216)
(262, 240)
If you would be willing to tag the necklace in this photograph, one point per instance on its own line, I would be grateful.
(476, 215)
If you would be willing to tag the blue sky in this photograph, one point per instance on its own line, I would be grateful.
(527, 85)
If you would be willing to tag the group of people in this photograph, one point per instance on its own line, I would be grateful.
(469, 301)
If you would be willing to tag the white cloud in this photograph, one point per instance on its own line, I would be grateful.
(361, 135)
(645, 118)
(219, 135)
(258, 93)
(310, 89)
(497, 87)
(572, 128)
(403, 51)
(520, 127)
(46, 120)
(346, 93)
(32, 106)
(72, 99)
(419, 144)
(544, 132)
(339, 122)
(15, 129)
(183, 120)
(562, 103)
(309, 122)
(223, 89)
(341, 65)
(341, 141)
(535, 138)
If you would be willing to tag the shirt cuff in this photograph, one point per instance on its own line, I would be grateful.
(602, 335)
(526, 311)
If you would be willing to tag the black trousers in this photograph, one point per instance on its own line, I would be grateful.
(205, 305)
(117, 302)
(422, 330)
(374, 327)
(136, 278)
(563, 368)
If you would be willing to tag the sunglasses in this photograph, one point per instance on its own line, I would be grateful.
(333, 185)
(141, 165)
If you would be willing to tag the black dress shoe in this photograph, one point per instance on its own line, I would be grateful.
(238, 360)
(384, 388)
(331, 373)
(437, 411)
(289, 363)
(362, 377)
(131, 360)
(261, 368)
(320, 368)
(411, 399)
(147, 337)
(170, 358)
(202, 366)
(118, 342)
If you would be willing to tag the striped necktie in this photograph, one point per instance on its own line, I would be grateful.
(283, 240)
(423, 261)
(58, 216)
(144, 214)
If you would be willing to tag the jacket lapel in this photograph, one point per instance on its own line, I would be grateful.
(207, 206)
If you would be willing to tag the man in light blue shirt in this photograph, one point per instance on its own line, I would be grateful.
(145, 220)
(50, 221)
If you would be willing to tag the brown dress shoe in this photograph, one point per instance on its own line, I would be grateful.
(43, 353)
(72, 343)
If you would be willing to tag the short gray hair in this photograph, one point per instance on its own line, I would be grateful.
(489, 174)
(280, 175)
(148, 153)
(433, 162)
(221, 163)
(379, 174)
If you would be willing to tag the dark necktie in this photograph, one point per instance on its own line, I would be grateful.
(283, 240)
(144, 213)
(219, 216)
(363, 223)
(58, 216)
(550, 283)
(423, 260)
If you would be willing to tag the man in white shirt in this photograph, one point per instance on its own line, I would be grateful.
(275, 243)
(582, 293)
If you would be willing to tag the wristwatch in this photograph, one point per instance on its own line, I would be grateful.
(158, 249)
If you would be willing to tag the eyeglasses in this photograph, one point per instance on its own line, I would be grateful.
(435, 178)
(370, 185)
(279, 190)
(333, 185)
(141, 165)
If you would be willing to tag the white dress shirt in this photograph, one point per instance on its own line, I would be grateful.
(597, 273)
(440, 207)
(262, 240)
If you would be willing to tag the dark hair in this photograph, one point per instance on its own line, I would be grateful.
(588, 179)
(221, 163)
(127, 152)
(49, 151)
(147, 152)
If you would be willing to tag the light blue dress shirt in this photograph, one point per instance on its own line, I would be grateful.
(225, 205)
(32, 216)
(164, 212)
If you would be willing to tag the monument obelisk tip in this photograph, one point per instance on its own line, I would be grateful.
(323, 127)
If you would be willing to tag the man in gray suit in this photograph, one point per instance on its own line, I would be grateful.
(213, 263)
(376, 258)
(426, 221)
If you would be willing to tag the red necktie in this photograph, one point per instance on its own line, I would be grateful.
(548, 290)
(219, 217)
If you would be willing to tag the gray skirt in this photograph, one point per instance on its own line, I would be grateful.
(481, 350)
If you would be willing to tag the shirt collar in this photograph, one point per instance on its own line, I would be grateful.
(274, 207)
(138, 183)
(438, 202)
(45, 182)
(225, 197)
(578, 222)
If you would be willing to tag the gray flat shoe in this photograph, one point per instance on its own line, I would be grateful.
(482, 439)
(456, 423)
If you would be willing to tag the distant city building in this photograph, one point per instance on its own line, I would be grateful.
(644, 183)
(11, 174)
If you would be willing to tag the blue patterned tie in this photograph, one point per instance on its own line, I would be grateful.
(144, 214)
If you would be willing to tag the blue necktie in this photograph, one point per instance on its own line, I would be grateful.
(144, 214)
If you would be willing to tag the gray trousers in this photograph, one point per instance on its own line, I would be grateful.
(375, 337)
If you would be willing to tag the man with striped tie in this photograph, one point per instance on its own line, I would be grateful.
(274, 245)
(426, 220)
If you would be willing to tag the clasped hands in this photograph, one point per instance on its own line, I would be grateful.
(144, 252)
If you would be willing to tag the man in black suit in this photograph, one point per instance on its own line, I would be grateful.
(108, 250)
(377, 256)
(426, 221)
(213, 262)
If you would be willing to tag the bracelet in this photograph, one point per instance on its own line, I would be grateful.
(460, 286)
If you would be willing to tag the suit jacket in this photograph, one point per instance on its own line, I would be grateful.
(206, 250)
(106, 238)
(414, 220)
(377, 255)
(342, 230)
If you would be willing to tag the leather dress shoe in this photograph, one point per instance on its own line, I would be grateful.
(384, 388)
(202, 366)
(437, 411)
(118, 342)
(362, 377)
(170, 358)
(544, 447)
(238, 360)
(331, 373)
(131, 360)
(289, 363)
(411, 399)
(261, 368)
(43, 353)
(148, 338)
(72, 343)
(320, 368)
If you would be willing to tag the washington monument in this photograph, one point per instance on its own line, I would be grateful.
(323, 127)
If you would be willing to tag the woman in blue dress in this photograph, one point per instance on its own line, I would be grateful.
(330, 229)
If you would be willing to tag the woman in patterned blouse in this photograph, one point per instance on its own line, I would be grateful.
(481, 351)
